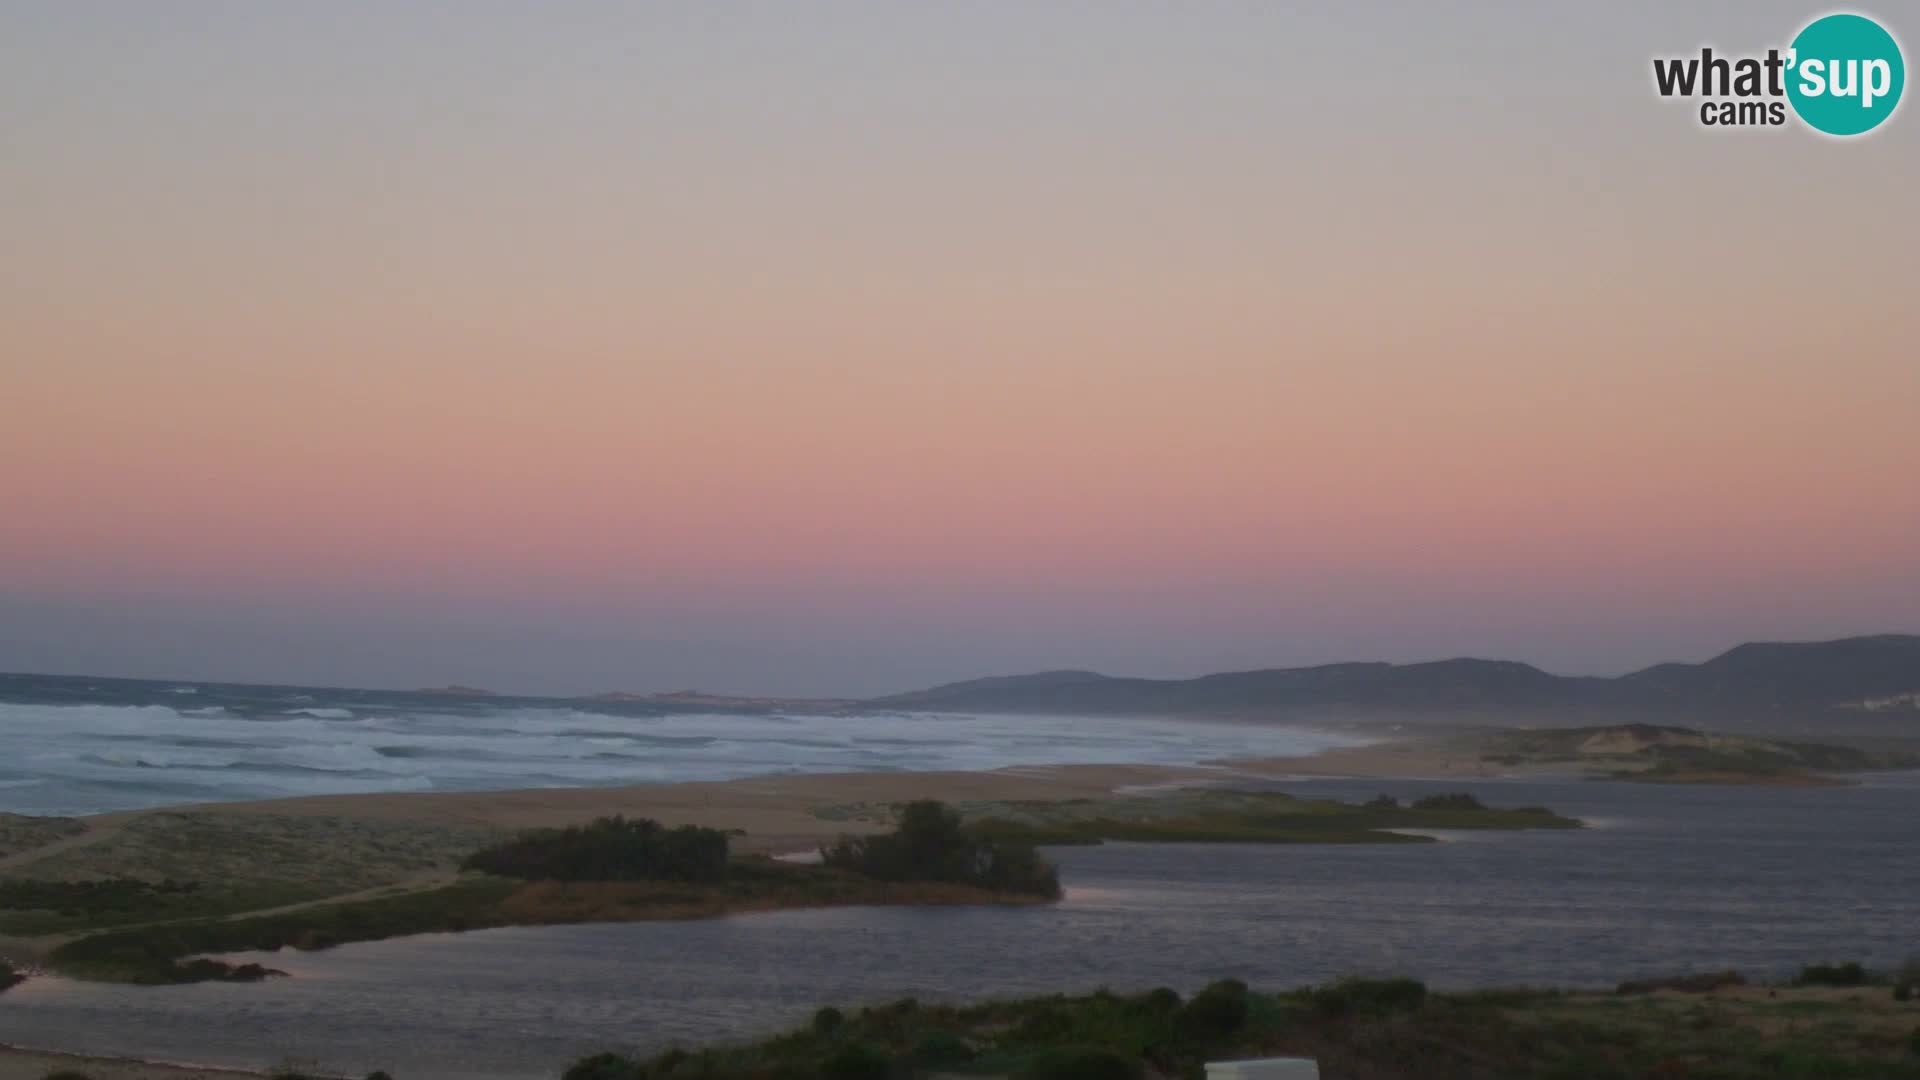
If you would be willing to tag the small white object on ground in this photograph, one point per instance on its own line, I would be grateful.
(1287, 1068)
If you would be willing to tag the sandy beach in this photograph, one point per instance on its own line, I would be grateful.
(18, 1064)
(779, 813)
(783, 813)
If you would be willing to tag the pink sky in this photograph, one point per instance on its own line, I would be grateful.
(646, 351)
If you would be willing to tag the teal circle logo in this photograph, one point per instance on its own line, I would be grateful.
(1845, 74)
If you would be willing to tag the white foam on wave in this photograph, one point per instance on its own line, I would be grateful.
(90, 758)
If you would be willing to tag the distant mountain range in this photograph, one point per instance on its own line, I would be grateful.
(1867, 674)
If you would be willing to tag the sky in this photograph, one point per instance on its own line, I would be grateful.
(842, 348)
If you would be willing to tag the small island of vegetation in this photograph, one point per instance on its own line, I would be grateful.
(610, 870)
(394, 881)
(1213, 815)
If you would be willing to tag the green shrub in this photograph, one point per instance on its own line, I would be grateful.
(603, 1067)
(1913, 1043)
(1161, 999)
(609, 849)
(938, 1048)
(97, 897)
(1213, 1014)
(930, 845)
(1382, 802)
(1847, 974)
(828, 1020)
(1690, 984)
(1043, 1024)
(856, 1062)
(1907, 978)
(1369, 997)
(1080, 1063)
(1458, 800)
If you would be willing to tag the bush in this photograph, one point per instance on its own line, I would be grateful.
(1369, 997)
(856, 1062)
(1907, 979)
(929, 845)
(603, 1067)
(1689, 984)
(828, 1020)
(1161, 999)
(1847, 974)
(609, 849)
(1913, 1043)
(379, 1074)
(937, 1048)
(1459, 800)
(1214, 1014)
(1080, 1063)
(1382, 802)
(1043, 1024)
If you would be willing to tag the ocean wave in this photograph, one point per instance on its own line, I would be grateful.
(104, 756)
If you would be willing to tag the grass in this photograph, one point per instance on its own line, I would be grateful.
(19, 832)
(206, 864)
(1648, 753)
(159, 954)
(136, 925)
(1211, 816)
(1358, 1029)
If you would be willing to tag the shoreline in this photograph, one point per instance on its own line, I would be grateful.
(30, 1063)
(773, 808)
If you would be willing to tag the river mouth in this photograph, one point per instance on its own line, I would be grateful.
(1755, 879)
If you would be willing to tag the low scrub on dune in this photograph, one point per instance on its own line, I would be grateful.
(608, 849)
(930, 845)
(612, 870)
(1263, 817)
(1377, 1029)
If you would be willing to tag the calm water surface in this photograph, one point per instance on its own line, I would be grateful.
(1668, 879)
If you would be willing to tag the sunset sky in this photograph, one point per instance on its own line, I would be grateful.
(844, 348)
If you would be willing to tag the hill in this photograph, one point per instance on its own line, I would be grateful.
(1864, 674)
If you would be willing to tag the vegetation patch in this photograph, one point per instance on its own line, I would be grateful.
(609, 849)
(21, 832)
(1380, 1029)
(1703, 983)
(1851, 973)
(1653, 753)
(652, 873)
(930, 845)
(1220, 816)
(201, 864)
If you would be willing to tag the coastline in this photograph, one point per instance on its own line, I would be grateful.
(776, 811)
(22, 1063)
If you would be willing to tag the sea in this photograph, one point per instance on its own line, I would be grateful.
(1664, 879)
(74, 745)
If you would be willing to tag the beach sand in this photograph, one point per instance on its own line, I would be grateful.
(16, 1064)
(364, 845)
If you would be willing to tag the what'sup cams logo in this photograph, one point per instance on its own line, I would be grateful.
(1842, 75)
